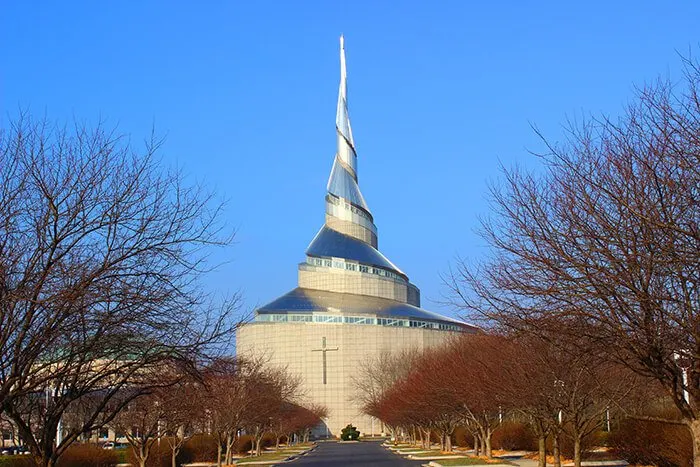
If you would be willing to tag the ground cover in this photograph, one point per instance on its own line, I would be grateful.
(466, 461)
(272, 456)
(434, 453)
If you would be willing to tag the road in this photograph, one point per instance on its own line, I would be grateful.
(369, 453)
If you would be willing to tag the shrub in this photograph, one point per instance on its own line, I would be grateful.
(87, 455)
(513, 436)
(16, 461)
(243, 444)
(159, 455)
(199, 448)
(268, 440)
(660, 444)
(463, 438)
(349, 433)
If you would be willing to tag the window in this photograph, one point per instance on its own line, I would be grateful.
(363, 320)
(300, 318)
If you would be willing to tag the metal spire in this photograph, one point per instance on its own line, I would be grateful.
(346, 209)
(346, 144)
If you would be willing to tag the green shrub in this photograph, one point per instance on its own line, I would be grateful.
(349, 433)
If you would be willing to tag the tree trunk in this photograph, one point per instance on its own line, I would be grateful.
(173, 458)
(695, 434)
(448, 442)
(487, 439)
(219, 451)
(145, 450)
(482, 440)
(258, 445)
(577, 451)
(542, 445)
(555, 450)
(229, 448)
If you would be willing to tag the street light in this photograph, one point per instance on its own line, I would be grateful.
(684, 375)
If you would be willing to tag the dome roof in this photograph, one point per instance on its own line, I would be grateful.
(301, 301)
(330, 243)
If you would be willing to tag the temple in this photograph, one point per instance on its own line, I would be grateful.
(351, 302)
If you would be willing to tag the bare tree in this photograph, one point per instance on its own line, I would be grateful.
(101, 250)
(378, 373)
(270, 391)
(6, 428)
(245, 394)
(225, 399)
(166, 414)
(294, 419)
(142, 424)
(183, 414)
(603, 247)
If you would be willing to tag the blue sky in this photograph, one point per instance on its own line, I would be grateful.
(245, 93)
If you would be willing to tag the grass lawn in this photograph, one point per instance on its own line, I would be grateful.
(435, 453)
(463, 461)
(273, 456)
(471, 461)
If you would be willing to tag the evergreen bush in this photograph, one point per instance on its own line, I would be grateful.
(349, 433)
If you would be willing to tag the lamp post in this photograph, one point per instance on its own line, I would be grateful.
(560, 384)
(677, 356)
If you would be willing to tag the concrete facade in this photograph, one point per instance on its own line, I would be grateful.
(292, 345)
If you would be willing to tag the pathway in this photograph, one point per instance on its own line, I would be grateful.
(369, 453)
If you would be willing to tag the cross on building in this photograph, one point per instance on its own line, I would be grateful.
(323, 349)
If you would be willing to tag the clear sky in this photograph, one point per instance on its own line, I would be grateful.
(245, 91)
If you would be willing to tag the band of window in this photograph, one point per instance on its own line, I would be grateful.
(320, 318)
(339, 263)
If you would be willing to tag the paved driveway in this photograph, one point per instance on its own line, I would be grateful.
(363, 453)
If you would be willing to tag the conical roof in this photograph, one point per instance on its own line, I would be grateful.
(345, 272)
